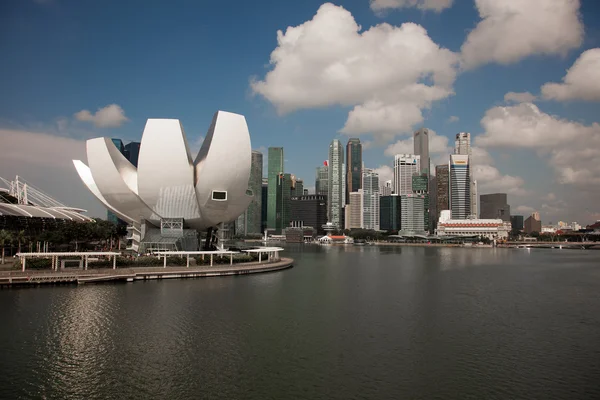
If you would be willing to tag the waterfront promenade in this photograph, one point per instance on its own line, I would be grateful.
(77, 276)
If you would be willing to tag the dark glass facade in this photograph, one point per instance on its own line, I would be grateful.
(274, 175)
(263, 205)
(493, 206)
(516, 222)
(353, 167)
(309, 210)
(442, 177)
(389, 213)
(132, 152)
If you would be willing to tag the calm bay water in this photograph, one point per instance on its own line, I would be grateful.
(344, 323)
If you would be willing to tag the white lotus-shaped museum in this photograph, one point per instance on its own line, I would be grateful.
(167, 184)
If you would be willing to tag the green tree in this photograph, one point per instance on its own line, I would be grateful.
(21, 238)
(5, 238)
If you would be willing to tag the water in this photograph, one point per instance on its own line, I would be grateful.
(344, 323)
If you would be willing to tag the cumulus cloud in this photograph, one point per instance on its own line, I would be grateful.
(452, 119)
(386, 173)
(110, 116)
(511, 30)
(519, 97)
(389, 74)
(582, 81)
(438, 145)
(572, 149)
(433, 5)
(525, 210)
(44, 160)
(489, 180)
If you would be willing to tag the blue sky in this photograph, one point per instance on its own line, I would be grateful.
(187, 59)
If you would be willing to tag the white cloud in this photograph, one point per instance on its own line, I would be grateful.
(549, 197)
(389, 74)
(44, 160)
(434, 5)
(452, 119)
(519, 97)
(582, 81)
(110, 116)
(385, 172)
(511, 30)
(489, 180)
(572, 149)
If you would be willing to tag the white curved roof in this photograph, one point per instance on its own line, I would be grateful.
(20, 210)
(166, 183)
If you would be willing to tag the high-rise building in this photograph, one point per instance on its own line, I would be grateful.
(286, 205)
(532, 224)
(421, 146)
(412, 213)
(322, 180)
(336, 183)
(274, 175)
(305, 192)
(386, 188)
(370, 188)
(405, 165)
(264, 203)
(390, 213)
(516, 222)
(110, 216)
(353, 167)
(420, 183)
(460, 186)
(354, 210)
(250, 222)
(309, 210)
(462, 146)
(494, 206)
(442, 177)
(536, 216)
(132, 151)
(297, 187)
(119, 145)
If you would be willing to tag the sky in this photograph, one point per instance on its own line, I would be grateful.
(523, 77)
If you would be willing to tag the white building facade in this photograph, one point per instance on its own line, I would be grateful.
(335, 195)
(460, 186)
(405, 166)
(370, 188)
(493, 229)
(412, 213)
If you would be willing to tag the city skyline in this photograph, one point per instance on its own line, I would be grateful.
(517, 112)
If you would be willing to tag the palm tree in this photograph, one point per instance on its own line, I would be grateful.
(5, 237)
(20, 238)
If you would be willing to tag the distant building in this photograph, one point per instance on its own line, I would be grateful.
(132, 152)
(353, 167)
(322, 180)
(516, 222)
(275, 200)
(405, 166)
(305, 192)
(532, 224)
(354, 211)
(264, 202)
(460, 187)
(420, 185)
(250, 222)
(412, 213)
(390, 213)
(297, 187)
(489, 228)
(494, 206)
(386, 188)
(309, 211)
(462, 146)
(421, 148)
(370, 185)
(335, 195)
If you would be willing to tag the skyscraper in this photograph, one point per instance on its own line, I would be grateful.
(494, 206)
(264, 200)
(462, 146)
(322, 180)
(370, 188)
(460, 186)
(390, 212)
(442, 176)
(421, 146)
(412, 213)
(132, 151)
(353, 167)
(405, 165)
(335, 192)
(420, 184)
(253, 220)
(297, 187)
(274, 175)
(354, 210)
(386, 188)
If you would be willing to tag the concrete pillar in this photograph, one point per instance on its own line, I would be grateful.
(165, 262)
(211, 260)
(114, 262)
(83, 262)
(86, 263)
(23, 262)
(188, 261)
(259, 257)
(230, 259)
